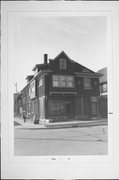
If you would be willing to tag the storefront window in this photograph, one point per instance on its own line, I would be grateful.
(56, 107)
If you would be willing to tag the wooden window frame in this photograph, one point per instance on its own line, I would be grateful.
(62, 63)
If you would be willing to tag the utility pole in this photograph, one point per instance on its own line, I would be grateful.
(15, 84)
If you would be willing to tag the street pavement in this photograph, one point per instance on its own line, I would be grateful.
(90, 140)
(19, 123)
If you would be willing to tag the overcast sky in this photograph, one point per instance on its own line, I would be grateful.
(83, 38)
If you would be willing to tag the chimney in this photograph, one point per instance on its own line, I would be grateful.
(45, 58)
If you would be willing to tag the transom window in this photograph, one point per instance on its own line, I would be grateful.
(87, 83)
(63, 81)
(62, 64)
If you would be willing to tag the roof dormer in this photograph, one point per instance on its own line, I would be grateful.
(36, 71)
(28, 78)
(42, 66)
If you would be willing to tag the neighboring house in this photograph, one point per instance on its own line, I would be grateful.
(16, 95)
(103, 93)
(61, 89)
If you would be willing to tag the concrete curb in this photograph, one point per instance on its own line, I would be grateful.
(74, 124)
(44, 125)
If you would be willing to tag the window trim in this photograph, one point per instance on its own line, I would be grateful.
(64, 61)
(66, 81)
(55, 80)
(33, 87)
(89, 80)
(41, 79)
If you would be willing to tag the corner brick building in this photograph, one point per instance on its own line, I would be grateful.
(61, 89)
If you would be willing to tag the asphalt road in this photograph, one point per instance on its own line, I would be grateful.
(67, 141)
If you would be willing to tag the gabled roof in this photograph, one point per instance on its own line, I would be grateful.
(103, 71)
(84, 69)
(62, 53)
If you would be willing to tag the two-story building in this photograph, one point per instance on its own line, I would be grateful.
(61, 89)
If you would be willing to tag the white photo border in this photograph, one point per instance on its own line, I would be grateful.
(93, 166)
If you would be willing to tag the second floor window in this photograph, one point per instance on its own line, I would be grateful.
(62, 64)
(33, 89)
(55, 81)
(87, 83)
(103, 88)
(63, 81)
(40, 82)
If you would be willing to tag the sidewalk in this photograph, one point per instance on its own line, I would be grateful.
(28, 124)
(42, 125)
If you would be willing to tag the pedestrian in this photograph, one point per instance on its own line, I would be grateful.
(24, 117)
(35, 119)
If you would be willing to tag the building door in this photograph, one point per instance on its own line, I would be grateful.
(78, 107)
(103, 106)
(94, 107)
(86, 107)
(68, 109)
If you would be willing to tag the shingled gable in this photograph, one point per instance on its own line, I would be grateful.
(62, 54)
(76, 66)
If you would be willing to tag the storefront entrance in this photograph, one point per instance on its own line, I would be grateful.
(61, 108)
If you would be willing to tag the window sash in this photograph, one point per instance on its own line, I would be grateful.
(40, 82)
(55, 77)
(63, 81)
(87, 83)
(69, 84)
(56, 107)
(62, 64)
(104, 87)
(70, 78)
(55, 83)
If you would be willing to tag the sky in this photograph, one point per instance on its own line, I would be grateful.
(83, 38)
